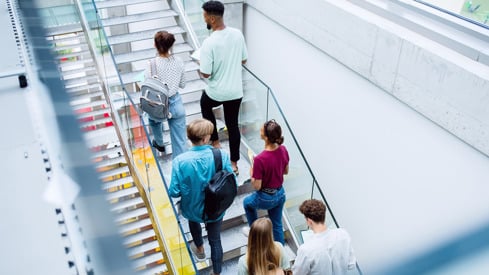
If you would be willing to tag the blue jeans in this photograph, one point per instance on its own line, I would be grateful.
(274, 204)
(214, 238)
(177, 124)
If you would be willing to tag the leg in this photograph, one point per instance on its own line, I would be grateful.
(250, 205)
(206, 105)
(196, 232)
(231, 114)
(214, 237)
(156, 128)
(275, 215)
(178, 129)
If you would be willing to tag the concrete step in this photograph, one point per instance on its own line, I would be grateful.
(114, 172)
(117, 182)
(137, 17)
(110, 161)
(95, 122)
(142, 35)
(107, 152)
(104, 4)
(148, 54)
(91, 104)
(119, 194)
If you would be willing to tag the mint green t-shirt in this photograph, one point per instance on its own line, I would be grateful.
(221, 55)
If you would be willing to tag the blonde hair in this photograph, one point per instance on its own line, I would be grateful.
(263, 253)
(198, 129)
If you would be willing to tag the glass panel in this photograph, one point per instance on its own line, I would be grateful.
(474, 10)
(259, 105)
(146, 170)
(193, 9)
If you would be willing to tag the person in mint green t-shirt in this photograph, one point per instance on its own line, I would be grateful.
(221, 57)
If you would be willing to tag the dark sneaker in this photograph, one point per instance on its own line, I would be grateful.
(159, 148)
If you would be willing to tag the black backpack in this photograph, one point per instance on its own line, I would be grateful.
(221, 190)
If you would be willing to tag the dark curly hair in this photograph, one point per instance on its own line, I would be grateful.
(273, 131)
(314, 210)
(214, 8)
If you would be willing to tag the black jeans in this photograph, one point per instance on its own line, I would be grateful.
(214, 238)
(231, 113)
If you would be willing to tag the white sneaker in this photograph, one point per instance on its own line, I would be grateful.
(246, 231)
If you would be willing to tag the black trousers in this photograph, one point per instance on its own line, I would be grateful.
(231, 113)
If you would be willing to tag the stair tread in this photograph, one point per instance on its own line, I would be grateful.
(84, 80)
(125, 204)
(139, 236)
(131, 214)
(122, 193)
(107, 152)
(148, 53)
(95, 103)
(103, 4)
(117, 182)
(143, 248)
(114, 172)
(86, 96)
(159, 269)
(137, 17)
(110, 161)
(147, 260)
(87, 87)
(142, 35)
(95, 122)
(134, 225)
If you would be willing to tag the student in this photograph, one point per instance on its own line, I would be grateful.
(169, 69)
(328, 251)
(191, 172)
(267, 176)
(264, 256)
(221, 57)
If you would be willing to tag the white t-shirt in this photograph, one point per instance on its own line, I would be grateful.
(221, 56)
(326, 253)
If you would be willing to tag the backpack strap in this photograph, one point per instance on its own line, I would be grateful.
(153, 69)
(217, 159)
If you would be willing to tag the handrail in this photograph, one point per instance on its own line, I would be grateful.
(295, 141)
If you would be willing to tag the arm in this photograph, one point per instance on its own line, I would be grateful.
(174, 190)
(182, 77)
(286, 171)
(301, 265)
(256, 183)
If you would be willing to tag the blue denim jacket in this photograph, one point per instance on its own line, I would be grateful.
(191, 172)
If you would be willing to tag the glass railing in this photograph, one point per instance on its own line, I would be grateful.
(134, 141)
(260, 105)
(474, 11)
(193, 11)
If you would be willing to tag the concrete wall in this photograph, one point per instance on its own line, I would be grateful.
(449, 88)
(398, 182)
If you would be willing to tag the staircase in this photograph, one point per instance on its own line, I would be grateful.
(79, 73)
(130, 27)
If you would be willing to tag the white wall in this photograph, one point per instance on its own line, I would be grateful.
(395, 180)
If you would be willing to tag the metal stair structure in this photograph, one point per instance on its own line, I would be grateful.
(88, 101)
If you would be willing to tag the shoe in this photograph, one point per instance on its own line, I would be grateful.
(159, 148)
(200, 256)
(246, 231)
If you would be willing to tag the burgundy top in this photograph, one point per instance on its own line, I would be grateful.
(269, 166)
